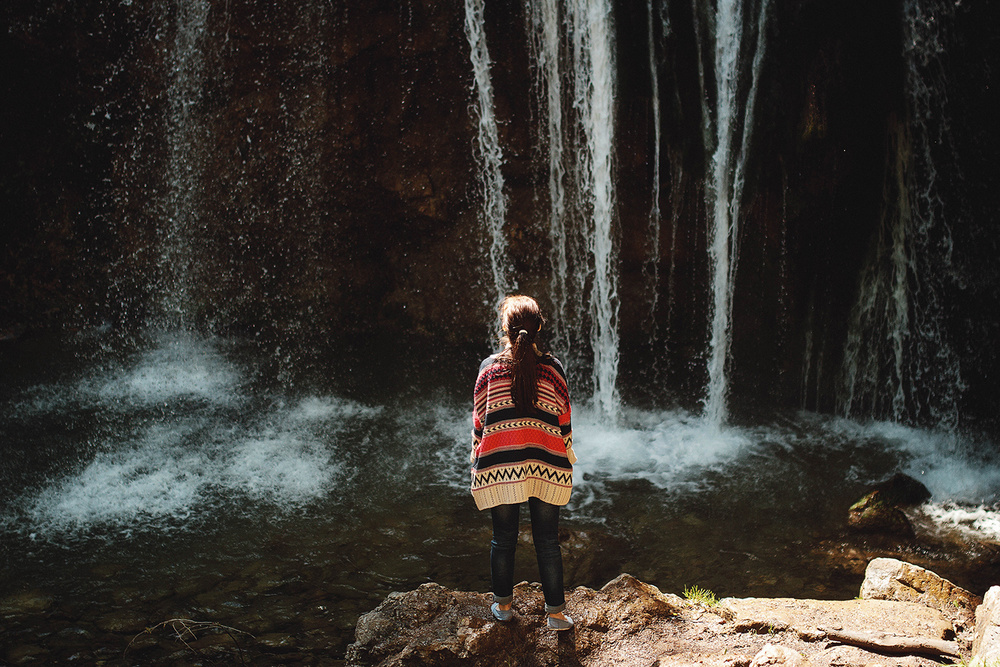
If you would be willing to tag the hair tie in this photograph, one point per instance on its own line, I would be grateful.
(522, 331)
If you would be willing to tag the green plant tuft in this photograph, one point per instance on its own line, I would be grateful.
(702, 595)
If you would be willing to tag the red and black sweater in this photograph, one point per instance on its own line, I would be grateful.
(515, 457)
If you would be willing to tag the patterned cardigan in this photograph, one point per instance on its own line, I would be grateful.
(517, 457)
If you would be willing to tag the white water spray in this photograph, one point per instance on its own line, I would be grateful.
(898, 360)
(184, 146)
(488, 150)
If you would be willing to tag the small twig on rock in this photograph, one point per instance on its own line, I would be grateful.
(892, 643)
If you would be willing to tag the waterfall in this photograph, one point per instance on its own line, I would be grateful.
(898, 360)
(653, 260)
(488, 150)
(581, 198)
(544, 31)
(725, 185)
(676, 197)
(594, 75)
(183, 172)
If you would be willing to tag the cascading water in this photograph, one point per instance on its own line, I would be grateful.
(488, 149)
(725, 184)
(183, 176)
(898, 359)
(584, 271)
(546, 49)
(652, 262)
(594, 88)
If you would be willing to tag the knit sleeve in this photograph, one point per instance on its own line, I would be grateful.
(479, 395)
(566, 414)
(566, 427)
(477, 434)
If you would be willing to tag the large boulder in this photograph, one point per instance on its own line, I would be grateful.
(879, 510)
(436, 626)
(891, 579)
(812, 619)
(986, 646)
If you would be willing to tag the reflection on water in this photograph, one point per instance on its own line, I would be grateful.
(178, 480)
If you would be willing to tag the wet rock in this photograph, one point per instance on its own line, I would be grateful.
(986, 645)
(879, 510)
(903, 491)
(122, 621)
(24, 604)
(891, 579)
(26, 654)
(875, 514)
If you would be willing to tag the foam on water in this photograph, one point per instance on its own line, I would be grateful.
(282, 468)
(155, 478)
(320, 409)
(680, 453)
(181, 366)
(212, 445)
(208, 444)
(980, 521)
(663, 447)
(186, 468)
(945, 462)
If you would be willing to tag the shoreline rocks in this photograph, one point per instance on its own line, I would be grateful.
(891, 579)
(908, 616)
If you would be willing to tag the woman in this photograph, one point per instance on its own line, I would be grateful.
(522, 452)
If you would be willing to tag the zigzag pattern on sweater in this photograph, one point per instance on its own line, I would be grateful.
(522, 423)
(518, 473)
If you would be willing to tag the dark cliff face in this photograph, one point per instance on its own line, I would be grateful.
(332, 187)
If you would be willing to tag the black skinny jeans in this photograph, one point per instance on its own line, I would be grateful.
(545, 535)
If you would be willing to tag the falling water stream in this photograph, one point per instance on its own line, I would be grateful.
(899, 362)
(546, 46)
(730, 134)
(579, 131)
(184, 175)
(489, 151)
(653, 262)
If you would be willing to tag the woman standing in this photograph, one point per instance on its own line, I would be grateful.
(522, 452)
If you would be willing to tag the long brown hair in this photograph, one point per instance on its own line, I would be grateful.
(521, 319)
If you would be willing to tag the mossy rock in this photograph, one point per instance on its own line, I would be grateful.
(879, 510)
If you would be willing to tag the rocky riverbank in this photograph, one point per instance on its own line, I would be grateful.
(904, 615)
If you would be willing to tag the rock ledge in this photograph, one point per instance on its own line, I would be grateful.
(630, 623)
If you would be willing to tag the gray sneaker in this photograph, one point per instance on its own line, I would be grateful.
(560, 624)
(501, 614)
